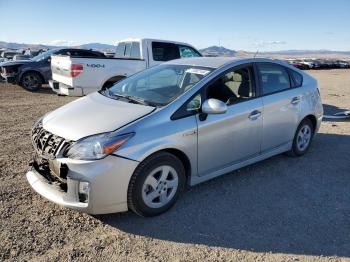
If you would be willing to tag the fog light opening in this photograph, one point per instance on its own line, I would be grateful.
(84, 188)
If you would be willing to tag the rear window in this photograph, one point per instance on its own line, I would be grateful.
(120, 50)
(273, 78)
(128, 50)
(135, 50)
(297, 79)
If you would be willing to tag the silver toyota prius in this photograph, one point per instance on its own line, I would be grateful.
(135, 145)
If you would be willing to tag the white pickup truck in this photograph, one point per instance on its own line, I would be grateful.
(78, 76)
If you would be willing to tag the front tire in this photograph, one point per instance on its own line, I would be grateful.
(302, 138)
(31, 81)
(156, 184)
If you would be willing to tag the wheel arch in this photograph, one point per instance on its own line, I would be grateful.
(112, 79)
(185, 160)
(313, 120)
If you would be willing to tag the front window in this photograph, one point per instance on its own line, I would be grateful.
(169, 51)
(158, 86)
(186, 51)
(233, 86)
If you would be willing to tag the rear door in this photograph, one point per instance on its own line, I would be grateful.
(281, 105)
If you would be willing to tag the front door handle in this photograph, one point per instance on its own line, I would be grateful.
(295, 100)
(254, 115)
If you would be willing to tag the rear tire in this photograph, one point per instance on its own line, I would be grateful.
(156, 184)
(31, 81)
(302, 138)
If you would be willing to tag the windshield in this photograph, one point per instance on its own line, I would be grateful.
(159, 85)
(44, 55)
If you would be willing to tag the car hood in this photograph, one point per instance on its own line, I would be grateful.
(17, 62)
(91, 115)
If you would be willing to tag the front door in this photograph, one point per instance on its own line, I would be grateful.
(232, 137)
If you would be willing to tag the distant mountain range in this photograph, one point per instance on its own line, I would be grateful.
(96, 46)
(218, 51)
(209, 51)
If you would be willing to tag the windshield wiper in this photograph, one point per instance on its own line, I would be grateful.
(131, 99)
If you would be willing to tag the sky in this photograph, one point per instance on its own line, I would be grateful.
(267, 25)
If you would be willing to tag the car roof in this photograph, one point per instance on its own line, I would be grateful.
(213, 62)
(216, 62)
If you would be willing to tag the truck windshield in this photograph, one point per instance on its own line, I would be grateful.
(159, 85)
(44, 55)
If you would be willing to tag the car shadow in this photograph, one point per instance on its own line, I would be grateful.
(280, 205)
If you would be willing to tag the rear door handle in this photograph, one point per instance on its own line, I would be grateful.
(295, 100)
(254, 115)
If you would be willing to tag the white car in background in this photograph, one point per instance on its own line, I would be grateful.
(78, 76)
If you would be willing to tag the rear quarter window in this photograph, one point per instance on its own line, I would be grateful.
(297, 79)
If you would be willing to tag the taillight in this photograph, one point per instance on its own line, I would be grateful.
(76, 69)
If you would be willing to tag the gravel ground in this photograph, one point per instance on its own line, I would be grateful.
(281, 209)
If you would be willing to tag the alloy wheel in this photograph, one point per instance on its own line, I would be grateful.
(160, 186)
(304, 137)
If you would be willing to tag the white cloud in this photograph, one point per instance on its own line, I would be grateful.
(63, 43)
(269, 43)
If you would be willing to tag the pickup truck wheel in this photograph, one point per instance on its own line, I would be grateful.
(31, 81)
(156, 184)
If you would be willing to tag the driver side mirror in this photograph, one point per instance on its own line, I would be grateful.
(214, 106)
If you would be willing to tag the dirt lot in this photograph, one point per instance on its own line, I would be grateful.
(282, 209)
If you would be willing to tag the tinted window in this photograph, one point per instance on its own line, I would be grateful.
(186, 51)
(273, 78)
(297, 78)
(164, 51)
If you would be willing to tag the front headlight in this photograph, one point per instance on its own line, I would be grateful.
(97, 146)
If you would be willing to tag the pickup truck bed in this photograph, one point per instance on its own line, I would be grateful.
(77, 76)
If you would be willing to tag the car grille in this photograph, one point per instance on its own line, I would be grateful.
(46, 144)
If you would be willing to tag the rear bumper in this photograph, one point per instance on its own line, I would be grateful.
(62, 89)
(108, 180)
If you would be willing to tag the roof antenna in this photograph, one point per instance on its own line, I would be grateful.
(256, 53)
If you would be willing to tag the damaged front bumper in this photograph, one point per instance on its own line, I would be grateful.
(94, 187)
(9, 74)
